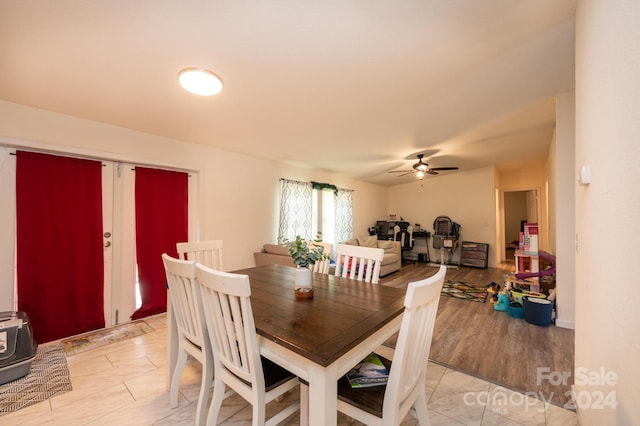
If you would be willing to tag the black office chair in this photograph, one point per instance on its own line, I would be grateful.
(446, 234)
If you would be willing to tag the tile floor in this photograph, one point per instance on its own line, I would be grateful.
(125, 384)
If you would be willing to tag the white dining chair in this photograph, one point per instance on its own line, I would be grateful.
(184, 294)
(405, 390)
(359, 263)
(238, 363)
(322, 265)
(208, 253)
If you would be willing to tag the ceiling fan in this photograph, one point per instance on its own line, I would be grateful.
(422, 168)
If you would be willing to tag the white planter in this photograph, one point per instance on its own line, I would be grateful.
(302, 278)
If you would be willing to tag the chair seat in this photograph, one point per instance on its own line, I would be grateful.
(368, 399)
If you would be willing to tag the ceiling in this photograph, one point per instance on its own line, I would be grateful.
(355, 87)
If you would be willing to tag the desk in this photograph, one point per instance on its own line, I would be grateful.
(319, 339)
(421, 245)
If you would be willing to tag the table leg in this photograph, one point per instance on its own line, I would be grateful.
(323, 394)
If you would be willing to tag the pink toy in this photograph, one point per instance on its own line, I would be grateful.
(549, 271)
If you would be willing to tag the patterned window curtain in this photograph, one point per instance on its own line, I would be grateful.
(295, 209)
(344, 215)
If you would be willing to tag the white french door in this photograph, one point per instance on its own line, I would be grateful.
(120, 247)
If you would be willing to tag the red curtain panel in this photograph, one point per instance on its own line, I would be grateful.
(161, 222)
(60, 265)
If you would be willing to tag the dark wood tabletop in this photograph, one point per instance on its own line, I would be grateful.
(341, 314)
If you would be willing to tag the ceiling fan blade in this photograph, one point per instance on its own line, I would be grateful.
(407, 173)
(431, 172)
(444, 168)
(401, 171)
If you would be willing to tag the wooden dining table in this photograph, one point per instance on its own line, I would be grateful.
(321, 338)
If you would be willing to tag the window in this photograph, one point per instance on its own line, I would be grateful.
(323, 218)
(306, 208)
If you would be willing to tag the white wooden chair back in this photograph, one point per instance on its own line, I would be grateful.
(322, 266)
(359, 263)
(406, 385)
(193, 339)
(208, 253)
(232, 332)
(405, 389)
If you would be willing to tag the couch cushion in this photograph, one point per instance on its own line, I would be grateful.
(352, 242)
(369, 241)
(387, 246)
(275, 249)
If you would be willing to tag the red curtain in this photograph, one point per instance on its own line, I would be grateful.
(60, 266)
(161, 222)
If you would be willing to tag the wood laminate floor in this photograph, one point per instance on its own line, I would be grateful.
(474, 338)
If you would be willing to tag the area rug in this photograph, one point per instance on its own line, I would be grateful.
(48, 377)
(465, 291)
(96, 339)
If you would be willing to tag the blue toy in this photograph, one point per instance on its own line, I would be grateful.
(503, 302)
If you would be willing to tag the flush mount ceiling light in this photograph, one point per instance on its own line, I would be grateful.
(200, 81)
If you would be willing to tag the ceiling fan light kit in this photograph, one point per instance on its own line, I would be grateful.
(421, 169)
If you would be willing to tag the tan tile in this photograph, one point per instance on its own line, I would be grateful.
(145, 411)
(455, 397)
(153, 381)
(558, 416)
(38, 410)
(86, 408)
(515, 406)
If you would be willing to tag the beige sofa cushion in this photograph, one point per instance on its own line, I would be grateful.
(369, 241)
(387, 246)
(275, 249)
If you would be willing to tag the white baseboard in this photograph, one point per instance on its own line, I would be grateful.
(565, 324)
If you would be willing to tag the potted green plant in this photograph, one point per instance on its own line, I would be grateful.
(304, 254)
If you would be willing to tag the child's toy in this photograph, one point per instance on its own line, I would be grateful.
(507, 278)
(550, 271)
(516, 296)
(503, 301)
(493, 289)
(515, 310)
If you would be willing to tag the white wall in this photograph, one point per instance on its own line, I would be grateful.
(607, 210)
(564, 178)
(240, 194)
(467, 197)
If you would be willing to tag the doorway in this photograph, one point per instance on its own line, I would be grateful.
(520, 207)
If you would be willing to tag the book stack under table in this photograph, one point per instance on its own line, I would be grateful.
(369, 372)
